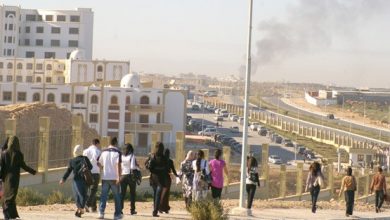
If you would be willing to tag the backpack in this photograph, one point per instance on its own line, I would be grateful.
(86, 173)
(147, 162)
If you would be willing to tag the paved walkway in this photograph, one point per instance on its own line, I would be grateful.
(257, 214)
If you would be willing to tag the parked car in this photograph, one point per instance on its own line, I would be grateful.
(234, 129)
(288, 143)
(208, 132)
(240, 120)
(276, 138)
(301, 149)
(234, 118)
(309, 154)
(195, 107)
(218, 118)
(217, 110)
(224, 113)
(274, 159)
(220, 137)
(226, 140)
(262, 131)
(254, 126)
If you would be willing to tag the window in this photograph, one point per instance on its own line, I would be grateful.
(11, 27)
(75, 18)
(7, 96)
(38, 42)
(360, 157)
(55, 43)
(27, 29)
(19, 78)
(144, 100)
(49, 67)
(55, 30)
(73, 43)
(19, 66)
(114, 100)
(26, 42)
(1, 65)
(80, 98)
(9, 52)
(73, 30)
(1, 78)
(48, 79)
(5, 26)
(50, 97)
(21, 96)
(29, 66)
(144, 119)
(49, 55)
(8, 13)
(9, 78)
(39, 17)
(9, 39)
(30, 54)
(93, 118)
(65, 98)
(29, 79)
(94, 99)
(67, 55)
(158, 119)
(100, 68)
(38, 79)
(49, 18)
(158, 100)
(39, 66)
(128, 101)
(31, 17)
(61, 18)
(10, 66)
(39, 30)
(36, 97)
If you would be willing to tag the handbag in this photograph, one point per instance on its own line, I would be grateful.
(206, 177)
(86, 173)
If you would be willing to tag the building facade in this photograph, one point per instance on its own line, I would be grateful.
(36, 33)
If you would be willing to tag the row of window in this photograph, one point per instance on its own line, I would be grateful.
(53, 43)
(59, 18)
(54, 30)
(9, 27)
(29, 66)
(29, 79)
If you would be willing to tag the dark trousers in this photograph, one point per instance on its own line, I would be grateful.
(314, 191)
(91, 196)
(156, 197)
(250, 189)
(216, 192)
(349, 200)
(379, 198)
(80, 193)
(164, 202)
(127, 180)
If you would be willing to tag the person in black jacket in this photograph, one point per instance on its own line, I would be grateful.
(164, 203)
(79, 185)
(11, 162)
(158, 175)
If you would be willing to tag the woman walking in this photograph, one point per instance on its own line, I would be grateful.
(217, 167)
(11, 162)
(158, 175)
(314, 181)
(79, 186)
(201, 168)
(128, 177)
(164, 203)
(187, 177)
(252, 179)
(348, 186)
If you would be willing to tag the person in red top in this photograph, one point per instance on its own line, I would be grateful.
(217, 167)
(378, 185)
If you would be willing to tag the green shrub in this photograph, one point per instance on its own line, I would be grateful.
(57, 197)
(29, 197)
(207, 209)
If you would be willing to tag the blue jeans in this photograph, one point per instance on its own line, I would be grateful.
(79, 192)
(157, 197)
(106, 186)
(314, 191)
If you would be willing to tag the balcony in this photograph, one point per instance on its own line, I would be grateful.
(145, 108)
(144, 127)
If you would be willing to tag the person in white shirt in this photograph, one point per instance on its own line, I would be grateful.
(93, 152)
(110, 161)
(200, 186)
(252, 179)
(128, 178)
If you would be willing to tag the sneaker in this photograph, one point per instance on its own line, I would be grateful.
(101, 216)
(133, 212)
(86, 209)
(120, 216)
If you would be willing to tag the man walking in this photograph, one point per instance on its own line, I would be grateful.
(110, 161)
(93, 152)
(379, 186)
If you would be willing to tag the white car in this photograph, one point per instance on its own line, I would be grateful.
(254, 126)
(234, 129)
(217, 111)
(208, 132)
(274, 159)
(234, 118)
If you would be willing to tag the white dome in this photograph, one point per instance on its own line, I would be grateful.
(131, 80)
(77, 55)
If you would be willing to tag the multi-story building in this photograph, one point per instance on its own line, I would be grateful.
(36, 33)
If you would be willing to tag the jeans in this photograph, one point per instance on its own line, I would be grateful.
(91, 196)
(156, 197)
(106, 186)
(250, 189)
(349, 200)
(379, 198)
(127, 180)
(314, 191)
(79, 192)
(216, 192)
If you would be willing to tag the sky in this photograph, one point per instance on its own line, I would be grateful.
(333, 42)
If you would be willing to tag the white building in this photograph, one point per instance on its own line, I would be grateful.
(109, 100)
(40, 33)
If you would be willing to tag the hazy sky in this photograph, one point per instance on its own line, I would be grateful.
(343, 42)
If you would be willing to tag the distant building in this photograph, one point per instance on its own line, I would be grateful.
(320, 98)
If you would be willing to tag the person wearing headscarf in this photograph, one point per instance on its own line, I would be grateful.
(76, 164)
(11, 162)
(187, 177)
(5, 145)
(164, 203)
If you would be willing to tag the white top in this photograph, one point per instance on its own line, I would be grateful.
(128, 164)
(93, 152)
(248, 181)
(109, 159)
(203, 165)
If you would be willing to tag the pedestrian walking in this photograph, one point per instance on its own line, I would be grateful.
(93, 152)
(252, 179)
(187, 177)
(128, 178)
(217, 167)
(201, 169)
(315, 180)
(12, 160)
(164, 203)
(158, 175)
(378, 185)
(348, 186)
(79, 186)
(110, 161)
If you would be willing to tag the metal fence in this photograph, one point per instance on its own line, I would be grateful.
(60, 148)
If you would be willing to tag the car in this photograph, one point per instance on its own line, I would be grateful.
(301, 149)
(262, 131)
(193, 121)
(234, 118)
(254, 126)
(234, 129)
(231, 142)
(226, 140)
(208, 132)
(218, 118)
(220, 137)
(216, 111)
(330, 116)
(288, 143)
(195, 107)
(240, 120)
(274, 159)
(309, 154)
